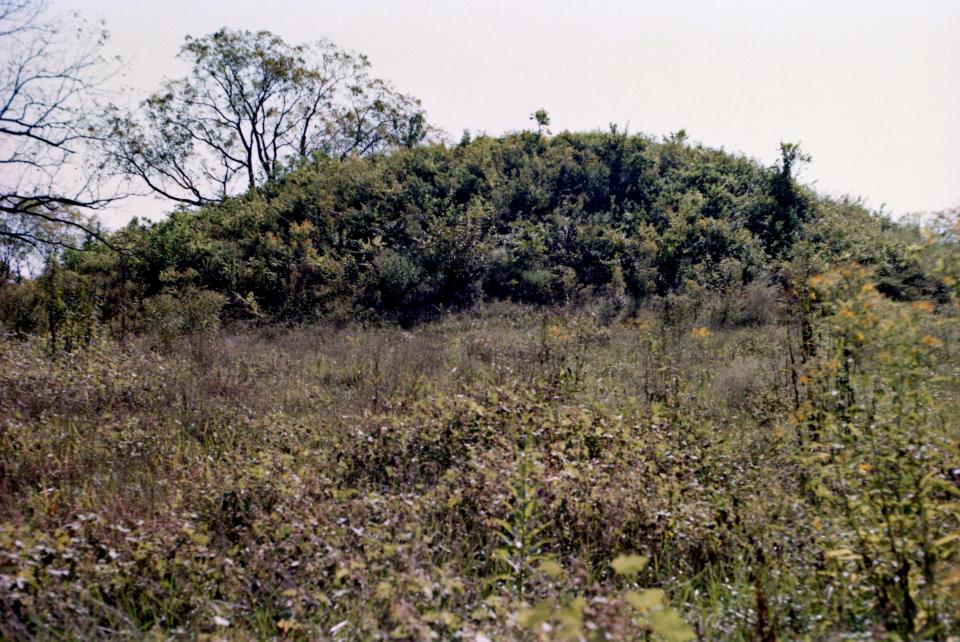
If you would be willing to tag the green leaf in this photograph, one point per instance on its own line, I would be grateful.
(551, 568)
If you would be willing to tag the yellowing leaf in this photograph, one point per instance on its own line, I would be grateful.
(947, 539)
(843, 554)
(629, 564)
(285, 626)
(667, 625)
(529, 618)
(645, 601)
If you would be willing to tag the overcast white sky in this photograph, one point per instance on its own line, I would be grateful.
(870, 87)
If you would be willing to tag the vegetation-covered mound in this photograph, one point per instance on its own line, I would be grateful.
(529, 218)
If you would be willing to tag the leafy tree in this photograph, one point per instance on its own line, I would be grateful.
(252, 105)
(542, 118)
(779, 217)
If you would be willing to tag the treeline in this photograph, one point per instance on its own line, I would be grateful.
(601, 218)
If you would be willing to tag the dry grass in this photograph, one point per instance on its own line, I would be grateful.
(350, 483)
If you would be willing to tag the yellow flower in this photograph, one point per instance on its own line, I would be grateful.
(931, 342)
(922, 306)
(557, 332)
(700, 332)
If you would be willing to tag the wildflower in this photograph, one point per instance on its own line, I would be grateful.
(285, 625)
(922, 306)
(700, 332)
(931, 342)
(557, 332)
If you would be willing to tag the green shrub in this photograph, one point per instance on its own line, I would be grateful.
(191, 312)
(21, 309)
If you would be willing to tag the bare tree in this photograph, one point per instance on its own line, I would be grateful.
(50, 75)
(251, 105)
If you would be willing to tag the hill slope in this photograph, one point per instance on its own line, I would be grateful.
(525, 217)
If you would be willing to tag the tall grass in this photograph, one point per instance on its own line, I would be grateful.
(475, 478)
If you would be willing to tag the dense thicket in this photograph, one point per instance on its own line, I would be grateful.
(526, 217)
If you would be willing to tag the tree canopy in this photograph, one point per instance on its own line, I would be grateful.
(251, 106)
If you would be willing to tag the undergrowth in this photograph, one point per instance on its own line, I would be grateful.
(510, 473)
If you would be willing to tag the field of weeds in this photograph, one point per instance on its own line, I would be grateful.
(509, 473)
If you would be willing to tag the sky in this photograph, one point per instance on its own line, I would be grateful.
(870, 88)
